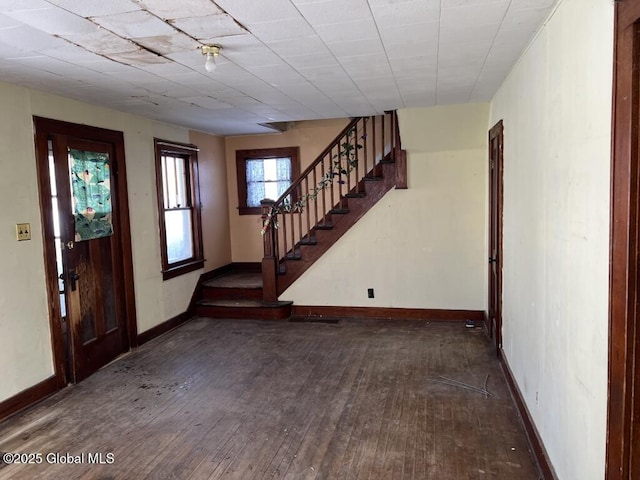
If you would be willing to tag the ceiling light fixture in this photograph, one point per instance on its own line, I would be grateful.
(210, 52)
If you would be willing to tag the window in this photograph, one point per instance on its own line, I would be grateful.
(264, 173)
(179, 208)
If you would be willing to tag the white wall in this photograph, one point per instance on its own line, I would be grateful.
(423, 247)
(25, 344)
(556, 107)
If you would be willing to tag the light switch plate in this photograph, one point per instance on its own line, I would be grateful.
(23, 231)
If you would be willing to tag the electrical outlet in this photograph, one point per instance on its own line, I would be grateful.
(23, 231)
(370, 292)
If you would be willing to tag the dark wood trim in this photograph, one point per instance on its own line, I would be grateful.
(190, 266)
(537, 447)
(44, 128)
(623, 422)
(246, 266)
(189, 154)
(241, 171)
(401, 169)
(127, 249)
(28, 397)
(495, 220)
(429, 314)
(163, 327)
(60, 360)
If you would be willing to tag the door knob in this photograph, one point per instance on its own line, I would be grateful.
(70, 245)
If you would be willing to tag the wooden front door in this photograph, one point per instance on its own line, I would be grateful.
(495, 234)
(86, 208)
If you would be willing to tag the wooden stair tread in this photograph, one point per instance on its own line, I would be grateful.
(249, 280)
(230, 303)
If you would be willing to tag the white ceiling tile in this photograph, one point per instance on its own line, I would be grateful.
(18, 5)
(254, 59)
(166, 69)
(8, 52)
(360, 29)
(54, 20)
(6, 21)
(334, 11)
(73, 54)
(249, 12)
(421, 99)
(277, 68)
(404, 66)
(172, 43)
(240, 100)
(301, 46)
(207, 102)
(211, 26)
(357, 48)
(524, 4)
(449, 97)
(193, 59)
(474, 14)
(242, 43)
(418, 35)
(470, 34)
(453, 4)
(398, 51)
(282, 30)
(406, 13)
(135, 75)
(101, 42)
(183, 9)
(137, 24)
(323, 60)
(278, 74)
(516, 19)
(138, 57)
(29, 39)
(92, 8)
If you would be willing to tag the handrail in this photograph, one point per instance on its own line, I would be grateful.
(322, 191)
(317, 161)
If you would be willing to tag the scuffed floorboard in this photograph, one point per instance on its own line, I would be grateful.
(240, 399)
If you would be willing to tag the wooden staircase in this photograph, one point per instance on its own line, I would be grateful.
(237, 293)
(350, 176)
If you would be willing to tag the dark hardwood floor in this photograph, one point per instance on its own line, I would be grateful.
(242, 399)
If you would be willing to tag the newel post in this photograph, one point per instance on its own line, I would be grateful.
(270, 258)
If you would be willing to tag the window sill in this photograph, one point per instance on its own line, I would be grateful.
(183, 268)
(249, 210)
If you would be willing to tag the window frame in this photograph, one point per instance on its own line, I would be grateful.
(260, 153)
(190, 154)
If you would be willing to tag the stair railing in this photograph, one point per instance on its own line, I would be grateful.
(321, 191)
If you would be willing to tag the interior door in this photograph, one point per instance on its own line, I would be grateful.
(90, 253)
(495, 234)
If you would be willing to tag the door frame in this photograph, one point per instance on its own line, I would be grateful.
(623, 402)
(43, 129)
(495, 196)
